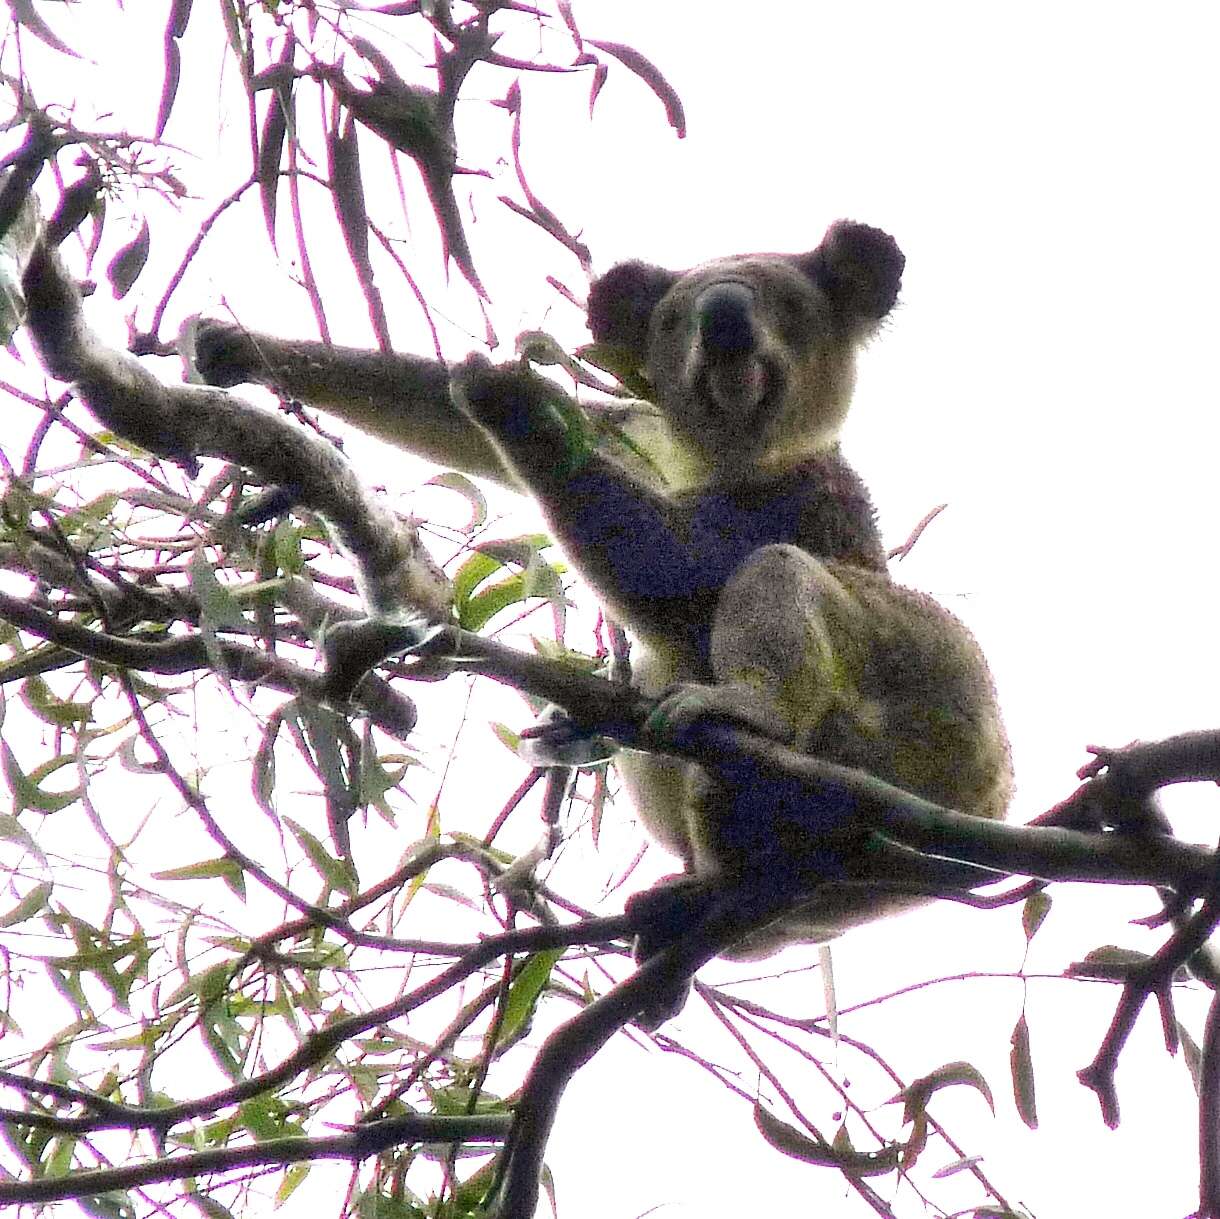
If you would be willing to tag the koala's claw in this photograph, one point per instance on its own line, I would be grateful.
(556, 740)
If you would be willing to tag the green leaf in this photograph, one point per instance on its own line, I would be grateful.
(223, 1037)
(372, 1204)
(651, 75)
(25, 789)
(330, 748)
(218, 610)
(1110, 962)
(1022, 1064)
(472, 573)
(267, 1117)
(129, 761)
(1191, 1053)
(490, 557)
(207, 986)
(34, 902)
(113, 1205)
(99, 955)
(60, 1160)
(11, 830)
(475, 612)
(124, 268)
(1037, 906)
(286, 547)
(620, 364)
(59, 713)
(376, 778)
(917, 1094)
(454, 480)
(471, 1195)
(334, 872)
(524, 993)
(277, 122)
(798, 1145)
(228, 870)
(262, 771)
(216, 603)
(25, 15)
(91, 517)
(210, 1207)
(293, 1176)
(455, 1101)
(537, 578)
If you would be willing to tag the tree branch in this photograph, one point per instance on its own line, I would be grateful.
(355, 1145)
(391, 711)
(185, 422)
(573, 1044)
(323, 1042)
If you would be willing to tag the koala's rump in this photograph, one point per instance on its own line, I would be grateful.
(912, 704)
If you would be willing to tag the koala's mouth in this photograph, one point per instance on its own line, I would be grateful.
(737, 389)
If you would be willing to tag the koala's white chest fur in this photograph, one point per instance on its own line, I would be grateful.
(658, 786)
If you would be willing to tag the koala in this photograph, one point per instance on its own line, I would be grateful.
(752, 577)
(755, 586)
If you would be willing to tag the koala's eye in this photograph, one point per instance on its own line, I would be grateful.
(668, 318)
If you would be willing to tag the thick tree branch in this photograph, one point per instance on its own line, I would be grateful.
(391, 711)
(1153, 978)
(846, 799)
(854, 798)
(1209, 1115)
(185, 422)
(573, 1044)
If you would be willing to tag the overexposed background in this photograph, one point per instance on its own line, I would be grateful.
(1050, 171)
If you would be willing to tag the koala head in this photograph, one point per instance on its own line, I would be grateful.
(752, 358)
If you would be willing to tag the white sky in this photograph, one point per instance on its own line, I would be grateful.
(1051, 374)
(1050, 171)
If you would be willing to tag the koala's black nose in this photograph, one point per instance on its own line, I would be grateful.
(726, 319)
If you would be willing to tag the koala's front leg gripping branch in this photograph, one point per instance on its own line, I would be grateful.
(403, 399)
(540, 431)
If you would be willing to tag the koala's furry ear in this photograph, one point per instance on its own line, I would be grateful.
(859, 268)
(621, 303)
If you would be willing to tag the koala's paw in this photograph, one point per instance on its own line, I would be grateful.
(685, 708)
(556, 740)
(662, 915)
(666, 912)
(494, 395)
(218, 353)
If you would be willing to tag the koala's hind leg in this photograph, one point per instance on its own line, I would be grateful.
(789, 631)
(868, 674)
(788, 647)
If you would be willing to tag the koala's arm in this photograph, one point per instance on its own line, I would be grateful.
(627, 538)
(402, 399)
(399, 398)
